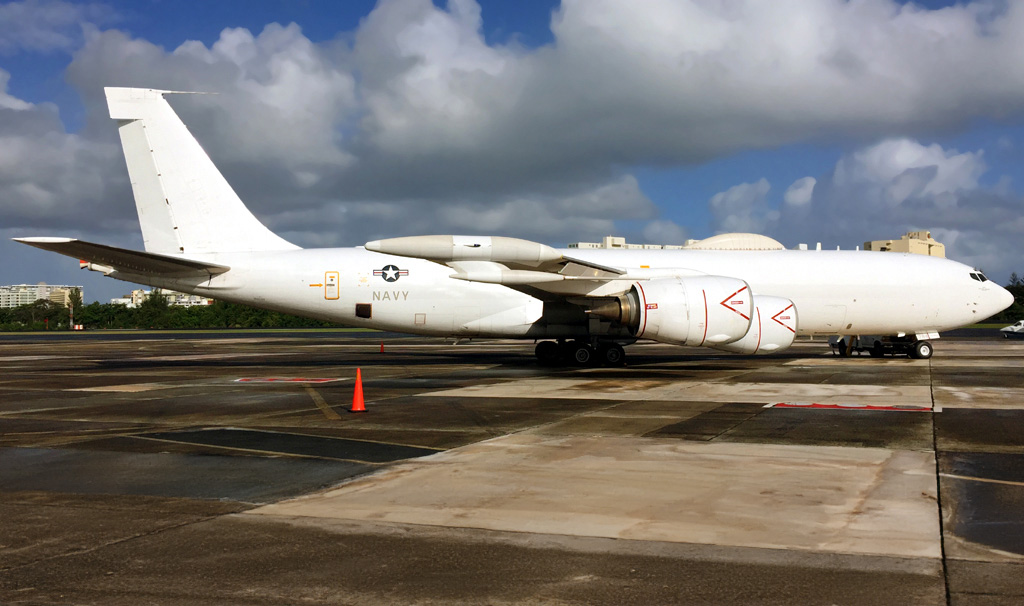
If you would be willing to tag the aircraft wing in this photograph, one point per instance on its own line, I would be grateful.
(125, 260)
(519, 264)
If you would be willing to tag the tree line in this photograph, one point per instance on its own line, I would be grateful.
(156, 313)
(153, 313)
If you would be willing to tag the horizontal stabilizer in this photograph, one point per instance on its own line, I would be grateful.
(124, 260)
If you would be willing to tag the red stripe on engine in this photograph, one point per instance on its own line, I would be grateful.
(758, 312)
(643, 324)
(705, 338)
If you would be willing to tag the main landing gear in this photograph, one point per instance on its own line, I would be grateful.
(580, 353)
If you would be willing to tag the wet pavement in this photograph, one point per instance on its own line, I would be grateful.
(140, 469)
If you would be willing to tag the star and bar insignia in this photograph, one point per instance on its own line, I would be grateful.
(391, 273)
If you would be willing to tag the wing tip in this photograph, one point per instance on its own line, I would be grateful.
(44, 240)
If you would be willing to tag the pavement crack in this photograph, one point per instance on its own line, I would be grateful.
(938, 487)
(103, 545)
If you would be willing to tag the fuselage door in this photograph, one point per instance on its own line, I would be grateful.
(331, 285)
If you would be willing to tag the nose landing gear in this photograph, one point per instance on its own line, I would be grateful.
(921, 350)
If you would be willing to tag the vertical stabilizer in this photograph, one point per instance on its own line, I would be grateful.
(185, 205)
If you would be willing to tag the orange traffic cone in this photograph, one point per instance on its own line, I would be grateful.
(357, 396)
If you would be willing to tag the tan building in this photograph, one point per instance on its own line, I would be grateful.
(917, 242)
(24, 294)
(616, 242)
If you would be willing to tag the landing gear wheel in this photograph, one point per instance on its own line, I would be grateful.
(841, 348)
(613, 354)
(877, 350)
(582, 354)
(922, 350)
(548, 353)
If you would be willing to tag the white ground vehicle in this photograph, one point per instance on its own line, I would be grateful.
(1013, 330)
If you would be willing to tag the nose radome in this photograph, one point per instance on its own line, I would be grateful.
(1002, 299)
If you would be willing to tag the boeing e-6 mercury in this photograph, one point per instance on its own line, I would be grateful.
(581, 305)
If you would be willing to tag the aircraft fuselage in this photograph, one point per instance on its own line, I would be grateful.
(836, 292)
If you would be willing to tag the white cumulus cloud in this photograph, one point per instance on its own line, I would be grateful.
(800, 192)
(743, 208)
(46, 25)
(883, 190)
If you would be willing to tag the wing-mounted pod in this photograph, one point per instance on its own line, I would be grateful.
(698, 310)
(468, 248)
(772, 327)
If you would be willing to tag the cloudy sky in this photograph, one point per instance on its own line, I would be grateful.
(832, 121)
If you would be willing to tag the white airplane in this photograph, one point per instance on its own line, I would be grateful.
(581, 305)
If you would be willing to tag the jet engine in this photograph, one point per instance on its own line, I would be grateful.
(772, 327)
(695, 310)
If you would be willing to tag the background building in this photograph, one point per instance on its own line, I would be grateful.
(617, 242)
(180, 299)
(25, 294)
(917, 242)
(727, 241)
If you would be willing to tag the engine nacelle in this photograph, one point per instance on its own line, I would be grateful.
(695, 310)
(772, 327)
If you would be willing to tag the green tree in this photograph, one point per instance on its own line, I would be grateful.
(1016, 311)
(154, 311)
(74, 305)
(41, 314)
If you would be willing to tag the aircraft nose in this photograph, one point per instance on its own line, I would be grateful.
(1001, 299)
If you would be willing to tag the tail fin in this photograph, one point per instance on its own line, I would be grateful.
(185, 205)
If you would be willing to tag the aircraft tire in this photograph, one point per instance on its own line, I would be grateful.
(548, 353)
(841, 348)
(582, 354)
(922, 350)
(612, 354)
(877, 350)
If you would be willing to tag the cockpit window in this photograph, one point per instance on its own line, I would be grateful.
(974, 276)
(980, 277)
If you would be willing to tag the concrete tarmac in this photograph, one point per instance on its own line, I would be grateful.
(207, 470)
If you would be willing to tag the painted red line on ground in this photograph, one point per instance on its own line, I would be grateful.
(852, 407)
(283, 380)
